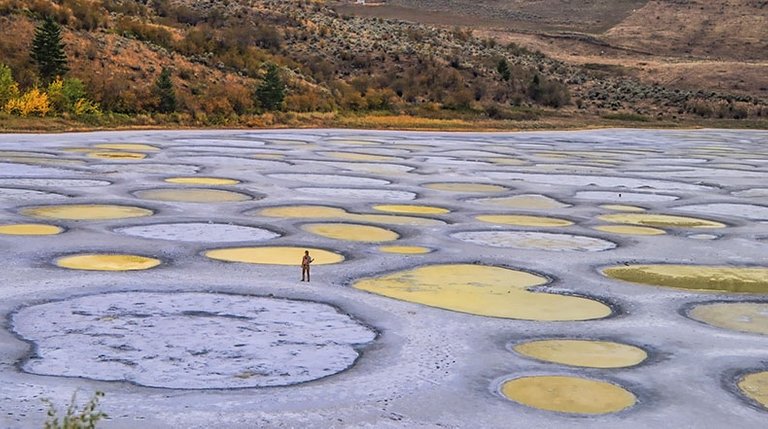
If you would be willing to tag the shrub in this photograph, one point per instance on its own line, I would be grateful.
(33, 102)
(74, 419)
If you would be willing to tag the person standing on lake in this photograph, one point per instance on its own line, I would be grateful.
(305, 261)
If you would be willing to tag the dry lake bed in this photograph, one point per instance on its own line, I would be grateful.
(601, 279)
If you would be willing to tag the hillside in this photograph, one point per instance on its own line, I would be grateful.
(335, 62)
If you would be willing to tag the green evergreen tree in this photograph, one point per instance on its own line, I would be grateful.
(271, 93)
(48, 51)
(165, 92)
(9, 89)
(503, 69)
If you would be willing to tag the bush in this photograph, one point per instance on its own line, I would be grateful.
(33, 102)
(74, 419)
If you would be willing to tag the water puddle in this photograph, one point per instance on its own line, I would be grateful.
(116, 155)
(330, 179)
(465, 187)
(523, 220)
(751, 317)
(190, 340)
(326, 212)
(565, 394)
(410, 209)
(535, 241)
(192, 195)
(359, 193)
(107, 262)
(127, 146)
(529, 202)
(483, 290)
(583, 353)
(199, 232)
(630, 230)
(30, 229)
(351, 232)
(201, 181)
(274, 255)
(695, 277)
(86, 212)
(405, 250)
(622, 208)
(660, 220)
(704, 236)
(755, 387)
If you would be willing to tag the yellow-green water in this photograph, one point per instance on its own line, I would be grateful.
(30, 229)
(86, 212)
(410, 209)
(351, 232)
(585, 353)
(630, 230)
(749, 317)
(695, 277)
(524, 220)
(660, 220)
(274, 255)
(107, 262)
(566, 394)
(482, 290)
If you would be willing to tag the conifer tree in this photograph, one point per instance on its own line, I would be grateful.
(48, 51)
(271, 93)
(165, 92)
(503, 69)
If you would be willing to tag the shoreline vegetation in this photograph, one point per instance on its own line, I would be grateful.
(371, 121)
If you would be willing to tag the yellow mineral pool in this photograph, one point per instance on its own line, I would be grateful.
(585, 353)
(351, 232)
(524, 220)
(660, 220)
(274, 255)
(405, 250)
(107, 262)
(566, 394)
(86, 212)
(483, 290)
(749, 317)
(30, 229)
(410, 209)
(695, 277)
(630, 230)
(755, 387)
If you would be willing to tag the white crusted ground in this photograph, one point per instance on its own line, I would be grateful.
(199, 232)
(190, 340)
(202, 327)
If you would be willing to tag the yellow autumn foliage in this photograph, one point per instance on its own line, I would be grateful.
(32, 102)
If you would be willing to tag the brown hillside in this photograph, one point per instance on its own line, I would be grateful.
(732, 29)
